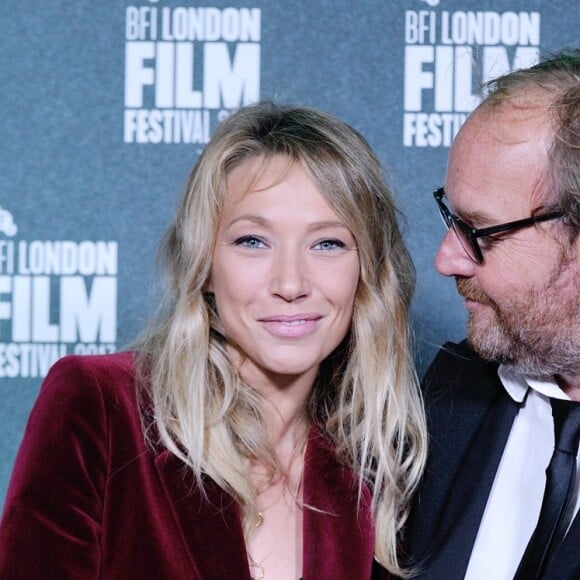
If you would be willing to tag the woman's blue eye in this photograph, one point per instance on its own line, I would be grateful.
(329, 245)
(251, 242)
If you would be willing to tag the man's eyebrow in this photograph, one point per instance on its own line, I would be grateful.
(476, 218)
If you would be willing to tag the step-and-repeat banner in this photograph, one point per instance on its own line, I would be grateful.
(106, 104)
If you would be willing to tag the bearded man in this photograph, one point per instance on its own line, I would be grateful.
(500, 495)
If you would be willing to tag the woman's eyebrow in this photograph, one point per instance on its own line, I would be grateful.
(256, 219)
(326, 224)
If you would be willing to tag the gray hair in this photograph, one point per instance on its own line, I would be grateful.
(557, 79)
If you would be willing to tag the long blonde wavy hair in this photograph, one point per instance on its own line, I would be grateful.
(366, 397)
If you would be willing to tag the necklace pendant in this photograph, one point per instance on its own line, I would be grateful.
(257, 572)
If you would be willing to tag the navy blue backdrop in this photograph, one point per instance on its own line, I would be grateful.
(107, 104)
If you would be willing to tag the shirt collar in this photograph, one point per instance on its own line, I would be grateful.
(516, 384)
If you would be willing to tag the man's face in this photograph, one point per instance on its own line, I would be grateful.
(523, 300)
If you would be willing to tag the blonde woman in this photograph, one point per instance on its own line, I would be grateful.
(268, 424)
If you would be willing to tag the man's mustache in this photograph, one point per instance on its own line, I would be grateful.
(467, 289)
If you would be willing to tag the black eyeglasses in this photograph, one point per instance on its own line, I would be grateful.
(468, 236)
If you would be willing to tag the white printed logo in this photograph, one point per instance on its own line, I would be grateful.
(56, 298)
(7, 225)
(449, 56)
(186, 69)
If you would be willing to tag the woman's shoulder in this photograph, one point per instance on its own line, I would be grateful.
(76, 378)
(98, 365)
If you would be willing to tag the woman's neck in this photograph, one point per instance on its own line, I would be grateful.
(275, 542)
(286, 423)
(285, 395)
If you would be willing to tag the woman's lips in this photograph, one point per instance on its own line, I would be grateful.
(291, 326)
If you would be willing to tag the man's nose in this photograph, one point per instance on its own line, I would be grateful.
(452, 259)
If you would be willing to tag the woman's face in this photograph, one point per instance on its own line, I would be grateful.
(285, 273)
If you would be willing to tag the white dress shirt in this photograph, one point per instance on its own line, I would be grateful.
(514, 503)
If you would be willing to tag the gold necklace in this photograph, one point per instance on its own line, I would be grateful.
(260, 515)
(257, 569)
(261, 572)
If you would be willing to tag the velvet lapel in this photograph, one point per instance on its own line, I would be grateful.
(338, 537)
(210, 527)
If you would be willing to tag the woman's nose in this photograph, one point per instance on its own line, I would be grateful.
(290, 275)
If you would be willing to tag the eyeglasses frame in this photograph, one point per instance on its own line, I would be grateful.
(451, 220)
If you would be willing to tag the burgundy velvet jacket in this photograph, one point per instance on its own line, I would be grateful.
(89, 498)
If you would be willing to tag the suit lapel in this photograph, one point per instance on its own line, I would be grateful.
(338, 536)
(469, 416)
(565, 563)
(209, 526)
(470, 491)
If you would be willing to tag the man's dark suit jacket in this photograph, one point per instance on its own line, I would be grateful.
(469, 418)
(90, 499)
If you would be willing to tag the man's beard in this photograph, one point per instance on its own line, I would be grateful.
(536, 331)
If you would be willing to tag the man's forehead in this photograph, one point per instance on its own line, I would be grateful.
(510, 122)
(500, 157)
